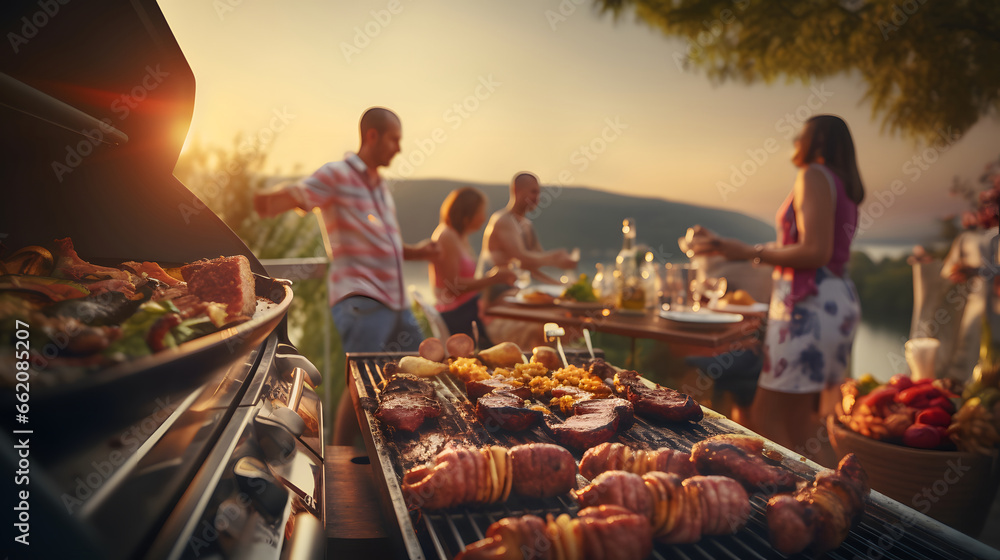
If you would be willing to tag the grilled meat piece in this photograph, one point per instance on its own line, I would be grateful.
(819, 516)
(662, 403)
(618, 488)
(69, 265)
(406, 402)
(602, 533)
(506, 411)
(478, 388)
(466, 475)
(614, 533)
(593, 422)
(739, 457)
(600, 368)
(225, 280)
(678, 511)
(406, 383)
(616, 456)
(407, 412)
(542, 470)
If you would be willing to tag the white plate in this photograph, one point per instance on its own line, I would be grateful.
(518, 299)
(758, 307)
(706, 317)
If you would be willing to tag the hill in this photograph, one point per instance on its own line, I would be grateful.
(581, 217)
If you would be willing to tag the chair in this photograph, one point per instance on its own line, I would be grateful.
(438, 327)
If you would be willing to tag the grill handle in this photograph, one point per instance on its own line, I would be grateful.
(295, 393)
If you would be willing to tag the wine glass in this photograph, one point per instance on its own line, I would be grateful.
(714, 288)
(523, 276)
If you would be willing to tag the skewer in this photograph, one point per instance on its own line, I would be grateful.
(590, 345)
(553, 330)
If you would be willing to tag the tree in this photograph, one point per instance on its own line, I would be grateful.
(930, 66)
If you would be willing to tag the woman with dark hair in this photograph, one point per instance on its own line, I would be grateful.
(453, 272)
(814, 309)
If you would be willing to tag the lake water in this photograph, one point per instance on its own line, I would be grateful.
(878, 348)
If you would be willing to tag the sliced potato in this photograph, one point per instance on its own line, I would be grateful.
(505, 354)
(421, 367)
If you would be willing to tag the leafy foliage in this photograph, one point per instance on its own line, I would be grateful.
(929, 65)
(226, 181)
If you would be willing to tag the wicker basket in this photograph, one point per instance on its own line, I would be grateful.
(953, 487)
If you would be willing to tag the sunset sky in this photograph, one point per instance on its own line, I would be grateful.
(485, 89)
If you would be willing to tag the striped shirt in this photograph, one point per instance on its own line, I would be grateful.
(362, 229)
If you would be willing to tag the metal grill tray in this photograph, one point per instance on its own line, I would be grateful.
(888, 529)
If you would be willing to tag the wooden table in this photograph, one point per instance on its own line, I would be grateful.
(685, 339)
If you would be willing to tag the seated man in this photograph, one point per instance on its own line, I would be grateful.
(510, 236)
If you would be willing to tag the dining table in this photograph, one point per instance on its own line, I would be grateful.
(684, 337)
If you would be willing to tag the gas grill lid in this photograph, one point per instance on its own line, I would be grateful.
(95, 101)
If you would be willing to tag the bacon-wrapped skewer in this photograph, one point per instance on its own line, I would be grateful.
(597, 533)
(740, 457)
(820, 515)
(679, 510)
(467, 475)
(619, 457)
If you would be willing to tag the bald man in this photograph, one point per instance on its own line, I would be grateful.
(510, 235)
(367, 297)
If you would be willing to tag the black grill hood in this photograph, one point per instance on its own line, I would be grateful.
(95, 99)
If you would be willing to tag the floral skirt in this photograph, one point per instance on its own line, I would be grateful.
(808, 345)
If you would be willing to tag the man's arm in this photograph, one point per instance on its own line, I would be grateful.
(506, 237)
(275, 201)
(426, 250)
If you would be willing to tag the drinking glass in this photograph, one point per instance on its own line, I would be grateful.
(715, 288)
(677, 284)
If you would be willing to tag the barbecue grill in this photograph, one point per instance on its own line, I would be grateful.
(887, 530)
(210, 450)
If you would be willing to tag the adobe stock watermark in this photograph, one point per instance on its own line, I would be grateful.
(913, 168)
(563, 11)
(31, 25)
(225, 7)
(580, 160)
(87, 484)
(364, 34)
(713, 30)
(900, 16)
(454, 116)
(922, 501)
(122, 107)
(250, 145)
(787, 126)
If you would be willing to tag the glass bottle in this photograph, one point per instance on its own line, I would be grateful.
(631, 295)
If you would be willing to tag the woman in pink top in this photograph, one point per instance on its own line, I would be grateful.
(453, 272)
(814, 310)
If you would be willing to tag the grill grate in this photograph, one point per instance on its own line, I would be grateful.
(882, 533)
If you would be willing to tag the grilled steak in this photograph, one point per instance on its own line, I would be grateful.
(659, 402)
(476, 389)
(407, 412)
(542, 470)
(740, 457)
(506, 411)
(407, 383)
(593, 422)
(406, 401)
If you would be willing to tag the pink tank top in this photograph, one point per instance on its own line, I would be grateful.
(466, 269)
(844, 225)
